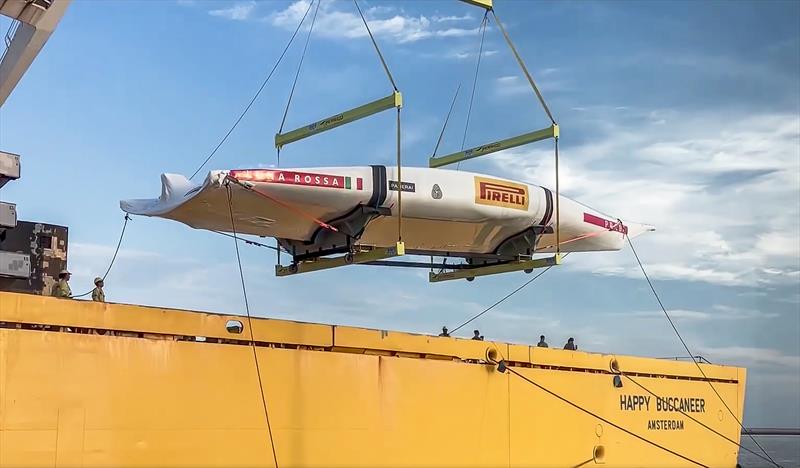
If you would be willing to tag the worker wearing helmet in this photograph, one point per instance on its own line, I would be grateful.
(62, 289)
(97, 293)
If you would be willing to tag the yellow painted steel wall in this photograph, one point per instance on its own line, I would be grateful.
(69, 399)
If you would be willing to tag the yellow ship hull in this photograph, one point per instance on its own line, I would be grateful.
(148, 393)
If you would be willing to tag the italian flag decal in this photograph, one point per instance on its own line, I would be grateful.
(349, 186)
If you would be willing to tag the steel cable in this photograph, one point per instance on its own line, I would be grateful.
(253, 100)
(686, 347)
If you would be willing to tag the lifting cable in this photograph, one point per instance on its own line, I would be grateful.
(768, 458)
(375, 44)
(253, 100)
(394, 86)
(558, 196)
(251, 188)
(597, 416)
(686, 347)
(504, 298)
(609, 229)
(114, 257)
(524, 68)
(446, 119)
(549, 115)
(297, 74)
(484, 21)
(399, 185)
(671, 406)
(250, 326)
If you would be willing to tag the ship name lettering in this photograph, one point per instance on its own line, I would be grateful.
(684, 405)
(665, 425)
(634, 402)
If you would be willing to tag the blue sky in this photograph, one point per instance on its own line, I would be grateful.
(684, 115)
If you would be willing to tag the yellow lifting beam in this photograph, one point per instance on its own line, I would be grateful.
(538, 135)
(487, 4)
(322, 263)
(518, 265)
(393, 100)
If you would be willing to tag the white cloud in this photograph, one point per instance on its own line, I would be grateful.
(778, 244)
(669, 271)
(514, 85)
(238, 12)
(722, 190)
(549, 71)
(459, 55)
(718, 312)
(749, 356)
(445, 19)
(346, 24)
(506, 86)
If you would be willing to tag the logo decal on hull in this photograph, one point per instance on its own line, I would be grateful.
(405, 186)
(501, 193)
(299, 178)
(605, 224)
(436, 192)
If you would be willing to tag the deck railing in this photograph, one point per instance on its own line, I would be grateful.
(9, 36)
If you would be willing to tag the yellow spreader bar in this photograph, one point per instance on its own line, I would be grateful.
(519, 265)
(308, 266)
(393, 100)
(480, 3)
(482, 150)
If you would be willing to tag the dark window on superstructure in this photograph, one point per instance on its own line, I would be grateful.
(45, 242)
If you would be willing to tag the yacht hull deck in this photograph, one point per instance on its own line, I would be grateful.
(444, 212)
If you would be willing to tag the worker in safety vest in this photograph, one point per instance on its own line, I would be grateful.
(541, 343)
(571, 345)
(97, 293)
(61, 289)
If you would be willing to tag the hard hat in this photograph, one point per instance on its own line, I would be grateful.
(97, 280)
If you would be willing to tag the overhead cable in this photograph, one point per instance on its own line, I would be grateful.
(695, 419)
(250, 325)
(474, 82)
(520, 288)
(253, 100)
(375, 44)
(299, 67)
(114, 257)
(524, 68)
(689, 353)
(597, 416)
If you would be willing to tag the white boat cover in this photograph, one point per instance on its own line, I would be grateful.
(443, 211)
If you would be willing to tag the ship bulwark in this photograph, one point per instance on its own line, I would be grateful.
(149, 392)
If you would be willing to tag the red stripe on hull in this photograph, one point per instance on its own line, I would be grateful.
(605, 224)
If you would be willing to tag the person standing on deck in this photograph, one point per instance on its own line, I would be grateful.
(571, 345)
(542, 343)
(97, 293)
(444, 332)
(62, 289)
(477, 335)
